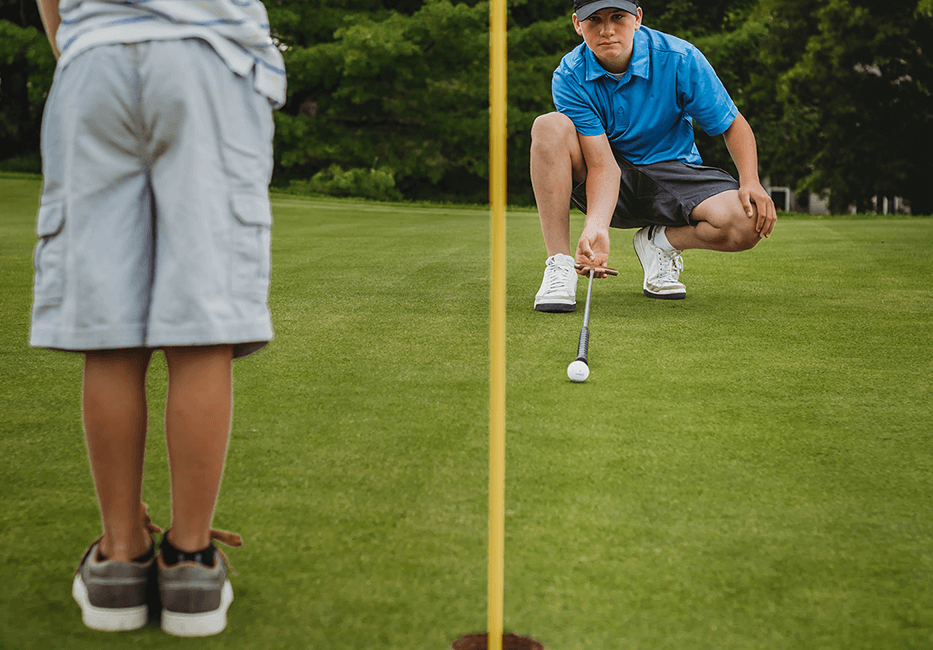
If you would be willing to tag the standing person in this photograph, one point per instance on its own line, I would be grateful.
(621, 148)
(154, 229)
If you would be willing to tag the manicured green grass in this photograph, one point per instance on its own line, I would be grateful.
(748, 468)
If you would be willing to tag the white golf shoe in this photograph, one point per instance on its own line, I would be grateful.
(558, 292)
(662, 268)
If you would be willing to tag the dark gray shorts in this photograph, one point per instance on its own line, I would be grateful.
(662, 194)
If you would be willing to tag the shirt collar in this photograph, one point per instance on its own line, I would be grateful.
(638, 67)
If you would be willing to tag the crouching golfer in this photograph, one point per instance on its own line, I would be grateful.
(621, 148)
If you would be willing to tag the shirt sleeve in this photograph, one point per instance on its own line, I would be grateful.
(571, 100)
(702, 94)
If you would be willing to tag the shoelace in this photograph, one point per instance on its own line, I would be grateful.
(557, 277)
(670, 265)
(147, 521)
(227, 539)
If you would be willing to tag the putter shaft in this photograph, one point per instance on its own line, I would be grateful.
(586, 311)
(584, 343)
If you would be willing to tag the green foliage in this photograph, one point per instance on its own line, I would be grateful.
(29, 164)
(861, 88)
(407, 91)
(412, 92)
(378, 184)
(838, 94)
(26, 68)
(733, 54)
(691, 19)
(837, 91)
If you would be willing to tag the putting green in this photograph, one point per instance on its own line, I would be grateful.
(746, 468)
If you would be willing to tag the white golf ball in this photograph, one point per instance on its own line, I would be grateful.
(578, 371)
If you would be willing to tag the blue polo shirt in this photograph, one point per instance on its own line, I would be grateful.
(647, 114)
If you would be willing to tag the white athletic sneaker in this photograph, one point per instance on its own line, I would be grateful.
(558, 292)
(662, 268)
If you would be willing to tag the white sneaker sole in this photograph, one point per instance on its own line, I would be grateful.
(672, 294)
(202, 623)
(108, 619)
(555, 305)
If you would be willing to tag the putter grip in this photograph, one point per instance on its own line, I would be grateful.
(583, 346)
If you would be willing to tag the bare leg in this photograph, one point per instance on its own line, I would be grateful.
(556, 164)
(115, 419)
(197, 429)
(722, 226)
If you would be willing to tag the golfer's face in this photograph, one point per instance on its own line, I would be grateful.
(609, 33)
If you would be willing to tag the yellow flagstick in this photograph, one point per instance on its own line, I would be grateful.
(497, 199)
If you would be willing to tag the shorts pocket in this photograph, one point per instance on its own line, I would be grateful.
(645, 187)
(48, 259)
(252, 228)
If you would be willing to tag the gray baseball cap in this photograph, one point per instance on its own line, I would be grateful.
(584, 8)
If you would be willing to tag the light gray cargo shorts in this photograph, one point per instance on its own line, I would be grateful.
(155, 222)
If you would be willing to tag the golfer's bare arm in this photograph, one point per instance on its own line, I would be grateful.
(740, 141)
(51, 19)
(602, 193)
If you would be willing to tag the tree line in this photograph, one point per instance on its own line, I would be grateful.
(389, 98)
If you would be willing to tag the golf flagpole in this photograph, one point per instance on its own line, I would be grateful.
(497, 200)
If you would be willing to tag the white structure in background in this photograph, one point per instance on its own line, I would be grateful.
(785, 200)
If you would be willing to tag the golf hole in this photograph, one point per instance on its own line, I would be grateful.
(509, 642)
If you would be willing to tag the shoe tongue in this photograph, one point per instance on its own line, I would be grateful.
(561, 260)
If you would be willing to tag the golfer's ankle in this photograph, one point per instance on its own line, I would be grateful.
(125, 550)
(189, 542)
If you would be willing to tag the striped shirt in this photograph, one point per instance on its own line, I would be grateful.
(238, 30)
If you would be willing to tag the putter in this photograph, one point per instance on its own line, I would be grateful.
(584, 344)
(579, 368)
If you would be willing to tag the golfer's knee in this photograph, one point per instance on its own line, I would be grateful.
(743, 236)
(551, 129)
(745, 242)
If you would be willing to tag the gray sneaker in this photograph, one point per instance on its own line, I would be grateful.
(195, 591)
(113, 595)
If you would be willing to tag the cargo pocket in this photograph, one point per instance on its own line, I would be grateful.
(250, 245)
(48, 260)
